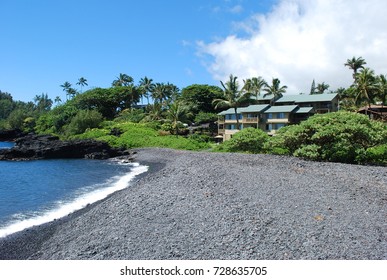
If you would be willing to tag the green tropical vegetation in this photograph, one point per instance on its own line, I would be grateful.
(233, 97)
(130, 135)
(250, 140)
(274, 88)
(158, 114)
(96, 112)
(254, 86)
(339, 137)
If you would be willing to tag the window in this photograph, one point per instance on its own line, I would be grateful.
(232, 117)
(269, 116)
(279, 125)
(280, 115)
(233, 126)
(275, 126)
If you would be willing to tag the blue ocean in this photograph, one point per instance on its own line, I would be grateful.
(39, 191)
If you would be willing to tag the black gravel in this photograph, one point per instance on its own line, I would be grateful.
(224, 206)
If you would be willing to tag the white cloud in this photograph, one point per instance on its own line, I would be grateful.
(302, 40)
(236, 9)
(185, 43)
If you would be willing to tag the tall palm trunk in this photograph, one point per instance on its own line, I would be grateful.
(237, 118)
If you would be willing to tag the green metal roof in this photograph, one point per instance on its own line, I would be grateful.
(269, 109)
(254, 108)
(304, 110)
(301, 98)
(267, 97)
(281, 109)
(230, 111)
(249, 109)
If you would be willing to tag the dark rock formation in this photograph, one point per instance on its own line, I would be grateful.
(50, 147)
(10, 134)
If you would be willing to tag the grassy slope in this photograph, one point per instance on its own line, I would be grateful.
(135, 135)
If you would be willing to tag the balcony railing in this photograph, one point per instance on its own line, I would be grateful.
(248, 120)
(244, 120)
(231, 131)
(278, 120)
(232, 121)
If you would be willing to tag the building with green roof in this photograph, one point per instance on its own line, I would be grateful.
(322, 103)
(270, 115)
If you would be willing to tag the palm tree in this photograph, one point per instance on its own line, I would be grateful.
(122, 80)
(173, 93)
(66, 87)
(274, 89)
(82, 82)
(58, 99)
(254, 85)
(154, 112)
(321, 88)
(160, 92)
(382, 90)
(355, 64)
(131, 94)
(43, 103)
(233, 97)
(366, 86)
(177, 113)
(147, 86)
(72, 92)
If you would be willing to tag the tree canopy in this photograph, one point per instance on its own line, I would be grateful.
(200, 97)
(233, 97)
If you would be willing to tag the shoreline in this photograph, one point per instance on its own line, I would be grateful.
(199, 205)
(23, 244)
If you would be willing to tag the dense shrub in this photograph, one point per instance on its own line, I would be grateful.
(340, 137)
(16, 118)
(107, 101)
(130, 115)
(3, 124)
(55, 121)
(204, 117)
(45, 124)
(249, 140)
(179, 127)
(140, 135)
(156, 125)
(84, 119)
(29, 124)
(377, 155)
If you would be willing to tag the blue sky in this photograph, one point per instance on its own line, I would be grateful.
(44, 43)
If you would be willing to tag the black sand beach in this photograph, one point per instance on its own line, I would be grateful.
(194, 205)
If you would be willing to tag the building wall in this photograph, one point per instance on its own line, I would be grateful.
(319, 106)
(322, 107)
(271, 122)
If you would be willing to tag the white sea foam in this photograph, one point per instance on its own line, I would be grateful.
(65, 208)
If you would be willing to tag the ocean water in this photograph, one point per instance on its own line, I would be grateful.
(36, 192)
(6, 145)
